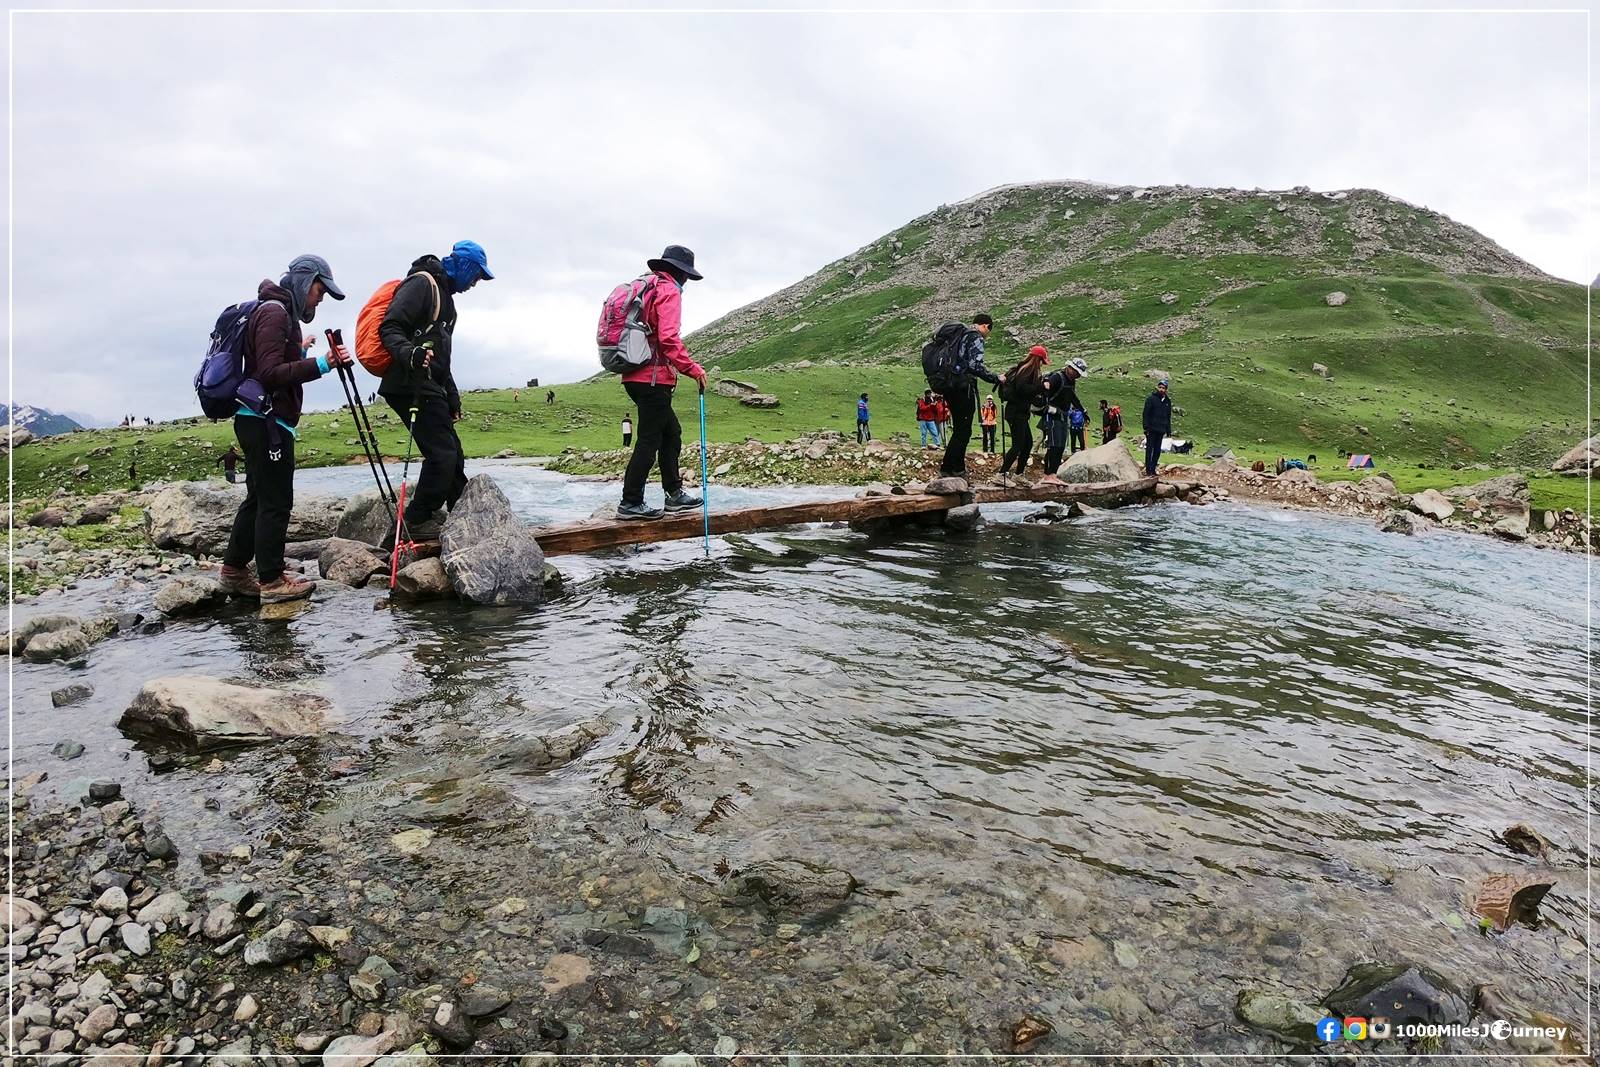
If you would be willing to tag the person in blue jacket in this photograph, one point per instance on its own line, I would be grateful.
(863, 416)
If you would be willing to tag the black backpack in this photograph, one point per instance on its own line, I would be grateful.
(944, 361)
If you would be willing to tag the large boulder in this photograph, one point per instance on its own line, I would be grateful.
(197, 518)
(366, 518)
(68, 644)
(1109, 462)
(1296, 476)
(41, 624)
(734, 389)
(489, 554)
(1506, 495)
(1403, 992)
(759, 400)
(1379, 488)
(1584, 457)
(1432, 503)
(349, 562)
(209, 713)
(1402, 522)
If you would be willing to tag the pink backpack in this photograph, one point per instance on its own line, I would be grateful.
(623, 335)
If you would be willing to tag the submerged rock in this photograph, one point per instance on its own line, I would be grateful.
(1504, 899)
(792, 887)
(68, 644)
(1524, 839)
(1110, 462)
(41, 624)
(1401, 522)
(76, 693)
(489, 554)
(207, 712)
(349, 562)
(1402, 992)
(426, 579)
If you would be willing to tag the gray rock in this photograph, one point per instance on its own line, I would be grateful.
(70, 644)
(1336, 299)
(1109, 462)
(1401, 522)
(67, 749)
(356, 1051)
(1281, 1016)
(367, 987)
(1378, 487)
(1432, 503)
(482, 1000)
(1581, 459)
(167, 908)
(450, 1025)
(206, 712)
(965, 517)
(792, 887)
(158, 846)
(76, 693)
(366, 518)
(759, 400)
(946, 486)
(1319, 369)
(114, 901)
(104, 791)
(1296, 476)
(99, 928)
(1512, 528)
(233, 1054)
(349, 562)
(188, 595)
(41, 624)
(426, 579)
(289, 940)
(97, 1023)
(222, 922)
(136, 937)
(197, 518)
(489, 554)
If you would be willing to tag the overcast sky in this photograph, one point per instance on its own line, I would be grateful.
(165, 163)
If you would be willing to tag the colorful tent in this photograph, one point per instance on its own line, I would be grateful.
(1358, 462)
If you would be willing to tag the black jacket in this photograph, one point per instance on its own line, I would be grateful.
(1158, 413)
(407, 324)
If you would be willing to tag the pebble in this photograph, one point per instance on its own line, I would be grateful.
(727, 1047)
(113, 901)
(246, 1010)
(103, 791)
(137, 938)
(67, 749)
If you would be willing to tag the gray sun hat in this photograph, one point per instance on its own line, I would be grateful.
(317, 267)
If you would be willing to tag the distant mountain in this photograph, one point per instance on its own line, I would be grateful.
(42, 421)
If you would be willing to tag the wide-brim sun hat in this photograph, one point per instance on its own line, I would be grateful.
(1079, 365)
(676, 256)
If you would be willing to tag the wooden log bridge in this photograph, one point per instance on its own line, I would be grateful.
(591, 534)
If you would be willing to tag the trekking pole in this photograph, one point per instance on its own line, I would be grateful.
(358, 411)
(401, 534)
(705, 475)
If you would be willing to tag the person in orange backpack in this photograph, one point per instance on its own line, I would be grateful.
(416, 332)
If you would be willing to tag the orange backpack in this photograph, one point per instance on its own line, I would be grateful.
(369, 346)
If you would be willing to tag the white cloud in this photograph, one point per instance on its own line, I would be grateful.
(166, 163)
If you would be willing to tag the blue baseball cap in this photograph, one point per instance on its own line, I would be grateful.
(473, 252)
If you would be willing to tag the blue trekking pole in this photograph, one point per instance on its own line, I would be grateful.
(705, 477)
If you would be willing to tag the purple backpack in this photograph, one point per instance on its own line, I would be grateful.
(221, 382)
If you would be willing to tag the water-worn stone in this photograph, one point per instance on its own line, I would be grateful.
(167, 908)
(482, 1000)
(97, 1022)
(76, 693)
(197, 518)
(67, 749)
(793, 887)
(41, 624)
(1583, 458)
(114, 901)
(1336, 299)
(349, 562)
(489, 554)
(965, 517)
(1109, 462)
(1525, 840)
(426, 579)
(1278, 1015)
(1401, 522)
(136, 938)
(1432, 503)
(450, 1024)
(188, 595)
(366, 518)
(354, 1050)
(289, 940)
(104, 791)
(207, 712)
(1504, 899)
(1512, 528)
(1402, 992)
(563, 971)
(68, 644)
(946, 486)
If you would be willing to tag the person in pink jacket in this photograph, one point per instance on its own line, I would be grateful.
(658, 436)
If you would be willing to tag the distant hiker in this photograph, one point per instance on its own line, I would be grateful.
(961, 354)
(133, 468)
(988, 416)
(1157, 424)
(863, 429)
(942, 416)
(928, 419)
(1110, 422)
(417, 331)
(1061, 404)
(550, 396)
(1077, 422)
(275, 358)
(627, 431)
(650, 386)
(229, 462)
(516, 396)
(1022, 385)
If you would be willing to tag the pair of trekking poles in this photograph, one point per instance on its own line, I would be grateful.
(393, 503)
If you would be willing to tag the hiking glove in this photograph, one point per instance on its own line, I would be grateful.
(419, 358)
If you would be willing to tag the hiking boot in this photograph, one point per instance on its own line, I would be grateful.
(425, 530)
(637, 511)
(1050, 479)
(682, 501)
(286, 588)
(237, 581)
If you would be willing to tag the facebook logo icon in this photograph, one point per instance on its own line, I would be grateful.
(1329, 1029)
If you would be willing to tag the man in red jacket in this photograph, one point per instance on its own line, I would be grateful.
(649, 385)
(275, 358)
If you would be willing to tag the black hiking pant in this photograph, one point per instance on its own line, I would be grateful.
(660, 439)
(262, 522)
(1017, 420)
(988, 439)
(1077, 439)
(963, 405)
(1152, 450)
(444, 463)
(1052, 459)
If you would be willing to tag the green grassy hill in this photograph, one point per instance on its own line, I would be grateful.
(1447, 351)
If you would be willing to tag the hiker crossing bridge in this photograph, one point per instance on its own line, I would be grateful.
(593, 534)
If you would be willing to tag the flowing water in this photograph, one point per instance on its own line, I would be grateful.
(1108, 773)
